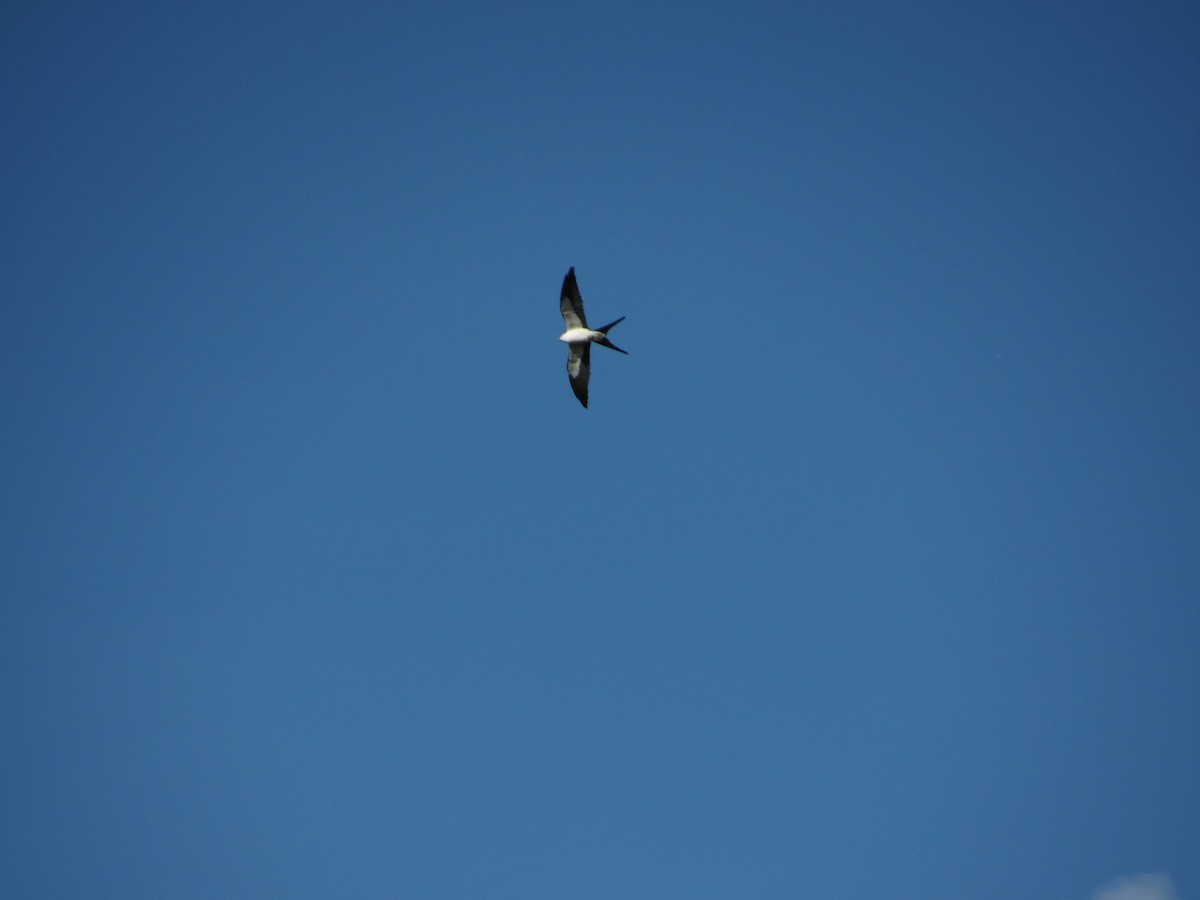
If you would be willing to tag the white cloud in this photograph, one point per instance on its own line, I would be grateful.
(1151, 886)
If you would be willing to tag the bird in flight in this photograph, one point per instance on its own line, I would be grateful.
(579, 338)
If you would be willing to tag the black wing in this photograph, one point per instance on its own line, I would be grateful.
(571, 303)
(579, 368)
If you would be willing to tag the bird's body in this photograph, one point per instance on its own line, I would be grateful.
(579, 338)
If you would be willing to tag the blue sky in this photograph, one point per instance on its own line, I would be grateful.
(872, 571)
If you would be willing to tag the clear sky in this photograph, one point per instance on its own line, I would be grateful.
(873, 571)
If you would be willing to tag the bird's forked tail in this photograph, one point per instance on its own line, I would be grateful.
(605, 342)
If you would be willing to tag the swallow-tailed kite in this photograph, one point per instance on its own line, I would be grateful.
(579, 338)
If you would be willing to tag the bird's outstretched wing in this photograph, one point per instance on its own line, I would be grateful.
(572, 304)
(579, 367)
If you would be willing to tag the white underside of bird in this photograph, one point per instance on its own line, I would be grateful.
(580, 336)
